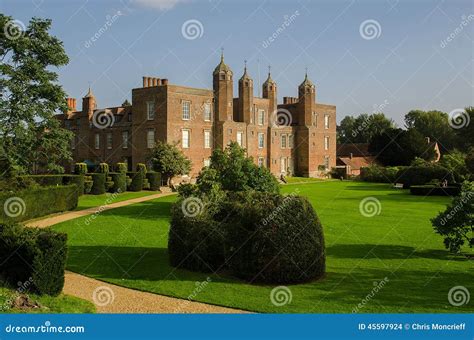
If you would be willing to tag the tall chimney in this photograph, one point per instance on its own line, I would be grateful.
(164, 81)
(144, 82)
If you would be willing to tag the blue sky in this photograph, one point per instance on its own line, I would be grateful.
(401, 61)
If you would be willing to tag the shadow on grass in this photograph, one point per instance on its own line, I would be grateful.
(144, 210)
(387, 252)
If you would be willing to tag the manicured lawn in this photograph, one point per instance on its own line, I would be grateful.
(90, 201)
(49, 304)
(303, 179)
(127, 246)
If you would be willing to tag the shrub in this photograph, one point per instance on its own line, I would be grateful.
(273, 238)
(47, 180)
(196, 241)
(141, 168)
(78, 180)
(35, 202)
(137, 181)
(154, 178)
(88, 185)
(379, 174)
(434, 190)
(80, 168)
(119, 181)
(420, 175)
(262, 237)
(121, 168)
(146, 184)
(98, 184)
(37, 256)
(103, 168)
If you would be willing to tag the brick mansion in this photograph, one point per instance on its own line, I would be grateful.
(295, 137)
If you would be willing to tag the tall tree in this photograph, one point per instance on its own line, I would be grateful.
(432, 124)
(400, 147)
(30, 96)
(363, 128)
(465, 129)
(169, 160)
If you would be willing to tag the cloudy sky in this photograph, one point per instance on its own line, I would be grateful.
(363, 56)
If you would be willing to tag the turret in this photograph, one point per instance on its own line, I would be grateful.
(245, 97)
(223, 91)
(269, 90)
(306, 100)
(89, 103)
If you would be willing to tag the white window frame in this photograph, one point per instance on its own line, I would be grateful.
(283, 141)
(326, 162)
(185, 141)
(240, 138)
(261, 161)
(326, 143)
(109, 139)
(207, 139)
(261, 117)
(97, 141)
(315, 119)
(150, 139)
(207, 112)
(124, 139)
(261, 138)
(291, 141)
(186, 110)
(207, 162)
(326, 122)
(150, 110)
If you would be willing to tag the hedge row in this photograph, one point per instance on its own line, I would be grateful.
(260, 237)
(33, 258)
(420, 175)
(432, 190)
(55, 180)
(379, 174)
(35, 202)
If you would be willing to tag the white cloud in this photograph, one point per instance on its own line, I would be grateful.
(158, 4)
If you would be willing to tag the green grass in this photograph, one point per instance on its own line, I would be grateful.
(290, 180)
(127, 246)
(59, 304)
(91, 201)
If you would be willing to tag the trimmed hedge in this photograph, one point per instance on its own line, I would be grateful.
(47, 180)
(137, 181)
(121, 167)
(103, 168)
(35, 202)
(420, 175)
(77, 180)
(431, 190)
(98, 183)
(141, 167)
(260, 237)
(154, 178)
(379, 174)
(80, 168)
(36, 258)
(119, 182)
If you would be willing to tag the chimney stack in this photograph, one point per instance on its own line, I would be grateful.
(71, 104)
(164, 81)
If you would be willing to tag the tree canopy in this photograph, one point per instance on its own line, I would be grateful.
(169, 160)
(30, 96)
(363, 128)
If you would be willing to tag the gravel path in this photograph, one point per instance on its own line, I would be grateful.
(109, 298)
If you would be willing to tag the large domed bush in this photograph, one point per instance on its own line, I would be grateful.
(273, 238)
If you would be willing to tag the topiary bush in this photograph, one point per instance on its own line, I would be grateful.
(121, 168)
(141, 167)
(33, 255)
(80, 168)
(137, 181)
(272, 238)
(47, 180)
(154, 178)
(88, 184)
(103, 168)
(434, 190)
(379, 174)
(37, 201)
(119, 182)
(98, 184)
(77, 180)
